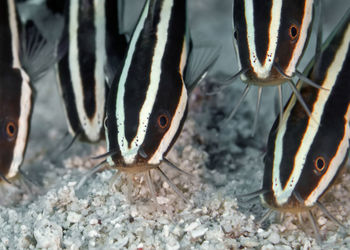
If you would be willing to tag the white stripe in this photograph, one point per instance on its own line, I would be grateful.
(184, 54)
(23, 125)
(263, 71)
(174, 127)
(282, 196)
(91, 127)
(14, 33)
(333, 164)
(298, 50)
(100, 91)
(278, 152)
(73, 61)
(120, 115)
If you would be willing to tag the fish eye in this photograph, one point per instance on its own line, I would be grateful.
(163, 121)
(293, 32)
(11, 129)
(320, 164)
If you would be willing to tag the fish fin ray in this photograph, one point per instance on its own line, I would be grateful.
(37, 55)
(127, 22)
(201, 59)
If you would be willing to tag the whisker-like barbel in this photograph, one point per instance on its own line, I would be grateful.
(265, 216)
(92, 171)
(329, 215)
(172, 185)
(314, 226)
(107, 154)
(235, 109)
(227, 83)
(257, 109)
(253, 194)
(173, 166)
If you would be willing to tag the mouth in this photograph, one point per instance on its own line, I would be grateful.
(136, 168)
(295, 204)
(290, 207)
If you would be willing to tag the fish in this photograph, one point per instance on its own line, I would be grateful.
(272, 32)
(21, 49)
(82, 74)
(148, 99)
(306, 154)
(269, 38)
(16, 108)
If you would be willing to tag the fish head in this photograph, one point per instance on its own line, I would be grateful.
(299, 169)
(142, 124)
(270, 37)
(15, 111)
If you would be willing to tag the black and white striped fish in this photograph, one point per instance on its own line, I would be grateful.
(94, 40)
(147, 104)
(20, 64)
(306, 154)
(271, 32)
(270, 38)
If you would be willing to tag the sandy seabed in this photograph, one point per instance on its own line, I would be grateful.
(222, 157)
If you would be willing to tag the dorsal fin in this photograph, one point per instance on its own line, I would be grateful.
(129, 13)
(201, 59)
(335, 32)
(37, 55)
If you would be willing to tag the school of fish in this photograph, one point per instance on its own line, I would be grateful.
(131, 88)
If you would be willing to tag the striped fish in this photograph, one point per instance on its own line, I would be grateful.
(147, 104)
(92, 30)
(306, 154)
(270, 38)
(19, 66)
(271, 32)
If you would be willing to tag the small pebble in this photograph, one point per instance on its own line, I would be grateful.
(93, 233)
(198, 232)
(191, 226)
(274, 238)
(268, 247)
(162, 200)
(291, 238)
(321, 221)
(94, 221)
(47, 234)
(249, 242)
(74, 217)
